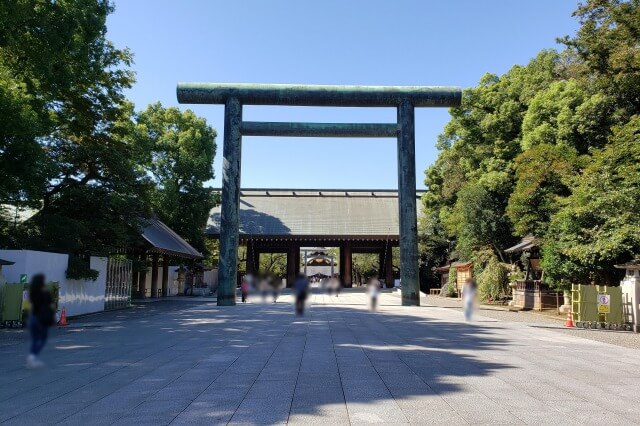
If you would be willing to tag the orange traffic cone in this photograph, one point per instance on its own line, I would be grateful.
(569, 322)
(63, 318)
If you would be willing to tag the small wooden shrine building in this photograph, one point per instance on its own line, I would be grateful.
(157, 247)
(285, 220)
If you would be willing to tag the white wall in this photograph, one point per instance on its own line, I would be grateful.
(78, 297)
(631, 299)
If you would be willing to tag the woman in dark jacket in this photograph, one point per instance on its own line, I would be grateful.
(42, 317)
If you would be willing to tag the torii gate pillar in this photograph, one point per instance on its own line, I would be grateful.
(404, 98)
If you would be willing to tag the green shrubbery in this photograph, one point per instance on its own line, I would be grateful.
(78, 269)
(451, 283)
(492, 281)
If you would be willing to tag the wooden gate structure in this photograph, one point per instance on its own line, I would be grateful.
(404, 98)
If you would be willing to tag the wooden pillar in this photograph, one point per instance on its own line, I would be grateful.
(409, 273)
(230, 203)
(256, 260)
(388, 267)
(345, 264)
(154, 275)
(165, 275)
(142, 278)
(251, 259)
(292, 269)
(305, 263)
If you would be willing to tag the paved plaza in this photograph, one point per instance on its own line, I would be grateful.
(178, 362)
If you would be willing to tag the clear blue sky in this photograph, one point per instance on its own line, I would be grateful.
(432, 42)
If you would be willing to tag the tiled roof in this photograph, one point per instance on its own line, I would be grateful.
(633, 264)
(526, 243)
(315, 212)
(165, 241)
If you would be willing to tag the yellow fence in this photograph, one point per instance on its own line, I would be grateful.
(596, 306)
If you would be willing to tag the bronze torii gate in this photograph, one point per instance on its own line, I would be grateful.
(404, 98)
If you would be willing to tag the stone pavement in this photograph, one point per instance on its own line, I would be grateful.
(195, 363)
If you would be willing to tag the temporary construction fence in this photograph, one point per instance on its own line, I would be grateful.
(595, 306)
(11, 312)
(15, 306)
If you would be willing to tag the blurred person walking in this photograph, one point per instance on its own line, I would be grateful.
(275, 286)
(468, 297)
(373, 288)
(264, 287)
(41, 318)
(301, 287)
(244, 288)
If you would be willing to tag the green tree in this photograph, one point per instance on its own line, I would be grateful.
(274, 264)
(21, 158)
(543, 178)
(478, 150)
(74, 79)
(492, 281)
(176, 149)
(566, 114)
(606, 48)
(478, 221)
(364, 266)
(599, 223)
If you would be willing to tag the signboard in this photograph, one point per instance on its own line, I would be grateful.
(23, 278)
(604, 304)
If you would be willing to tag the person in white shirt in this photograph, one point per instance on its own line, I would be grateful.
(468, 297)
(373, 288)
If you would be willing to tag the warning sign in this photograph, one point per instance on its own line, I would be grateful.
(604, 304)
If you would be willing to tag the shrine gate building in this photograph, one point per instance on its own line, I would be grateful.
(285, 220)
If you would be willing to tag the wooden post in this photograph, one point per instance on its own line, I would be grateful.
(291, 265)
(305, 263)
(165, 275)
(251, 259)
(154, 275)
(345, 252)
(409, 272)
(142, 278)
(230, 203)
(388, 268)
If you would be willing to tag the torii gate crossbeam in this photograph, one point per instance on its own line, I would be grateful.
(404, 98)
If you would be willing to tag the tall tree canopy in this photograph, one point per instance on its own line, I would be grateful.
(73, 79)
(71, 144)
(547, 149)
(176, 150)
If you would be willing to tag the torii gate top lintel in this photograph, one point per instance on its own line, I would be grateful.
(404, 98)
(318, 95)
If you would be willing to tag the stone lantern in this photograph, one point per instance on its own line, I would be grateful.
(630, 286)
